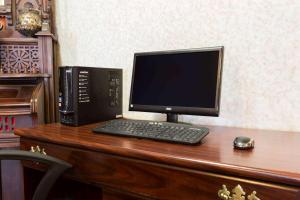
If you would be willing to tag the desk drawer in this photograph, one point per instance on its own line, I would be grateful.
(154, 180)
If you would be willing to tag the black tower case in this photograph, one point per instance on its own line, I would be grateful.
(88, 94)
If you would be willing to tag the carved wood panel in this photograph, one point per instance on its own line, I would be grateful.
(22, 57)
(19, 58)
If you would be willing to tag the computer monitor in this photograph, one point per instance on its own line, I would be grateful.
(177, 82)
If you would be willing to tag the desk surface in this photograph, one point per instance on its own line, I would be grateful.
(275, 158)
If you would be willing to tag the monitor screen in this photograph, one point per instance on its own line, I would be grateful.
(183, 82)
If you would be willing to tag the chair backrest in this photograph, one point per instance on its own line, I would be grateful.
(55, 169)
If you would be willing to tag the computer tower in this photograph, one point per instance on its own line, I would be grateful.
(88, 94)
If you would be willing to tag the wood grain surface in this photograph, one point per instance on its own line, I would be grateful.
(136, 179)
(275, 158)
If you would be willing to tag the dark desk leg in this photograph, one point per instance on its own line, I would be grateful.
(12, 180)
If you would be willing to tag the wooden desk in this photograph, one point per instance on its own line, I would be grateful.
(131, 168)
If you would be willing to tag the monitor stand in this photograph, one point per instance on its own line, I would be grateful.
(171, 117)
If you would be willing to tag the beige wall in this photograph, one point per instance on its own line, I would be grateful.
(261, 79)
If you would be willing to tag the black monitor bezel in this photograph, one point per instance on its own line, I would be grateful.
(180, 109)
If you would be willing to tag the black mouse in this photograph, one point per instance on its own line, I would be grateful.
(243, 142)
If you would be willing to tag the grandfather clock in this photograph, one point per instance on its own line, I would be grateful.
(27, 85)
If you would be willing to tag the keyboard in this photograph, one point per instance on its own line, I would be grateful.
(163, 131)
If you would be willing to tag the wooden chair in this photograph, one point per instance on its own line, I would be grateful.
(55, 169)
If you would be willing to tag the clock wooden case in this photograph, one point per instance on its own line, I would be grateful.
(28, 62)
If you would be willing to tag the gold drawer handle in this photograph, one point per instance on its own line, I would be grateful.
(37, 149)
(237, 194)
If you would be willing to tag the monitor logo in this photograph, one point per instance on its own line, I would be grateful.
(168, 108)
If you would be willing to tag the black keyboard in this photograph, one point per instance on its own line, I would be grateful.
(165, 131)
